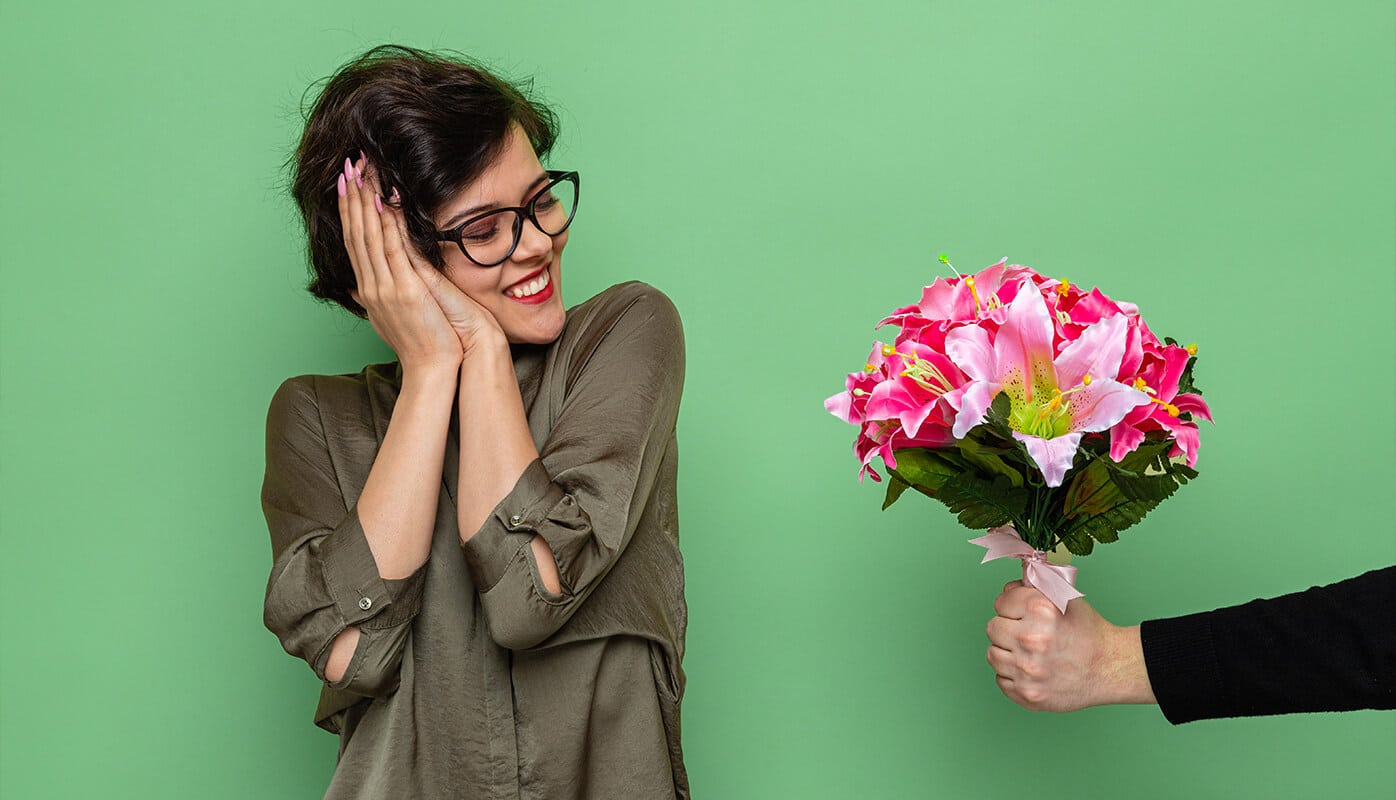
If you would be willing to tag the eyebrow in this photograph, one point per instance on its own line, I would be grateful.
(470, 212)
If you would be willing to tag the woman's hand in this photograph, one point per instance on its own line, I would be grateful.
(394, 286)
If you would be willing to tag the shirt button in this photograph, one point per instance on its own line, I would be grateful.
(365, 603)
(515, 520)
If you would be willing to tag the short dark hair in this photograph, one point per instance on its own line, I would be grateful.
(428, 122)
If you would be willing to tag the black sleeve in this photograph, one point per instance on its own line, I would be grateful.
(1330, 648)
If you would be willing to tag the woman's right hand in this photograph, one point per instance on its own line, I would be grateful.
(399, 304)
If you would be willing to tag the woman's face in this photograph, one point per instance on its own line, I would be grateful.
(525, 292)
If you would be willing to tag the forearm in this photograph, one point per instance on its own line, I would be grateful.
(495, 444)
(397, 507)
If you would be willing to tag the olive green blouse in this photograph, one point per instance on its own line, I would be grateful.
(470, 680)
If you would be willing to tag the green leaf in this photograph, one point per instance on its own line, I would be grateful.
(1105, 498)
(989, 460)
(996, 418)
(926, 469)
(1078, 542)
(983, 503)
(895, 487)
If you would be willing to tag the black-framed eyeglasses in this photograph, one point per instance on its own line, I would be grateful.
(489, 239)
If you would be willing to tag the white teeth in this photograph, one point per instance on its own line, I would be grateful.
(532, 287)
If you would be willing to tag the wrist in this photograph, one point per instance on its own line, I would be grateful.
(487, 341)
(436, 374)
(1128, 675)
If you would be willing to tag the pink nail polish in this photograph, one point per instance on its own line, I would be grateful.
(348, 168)
(359, 177)
(378, 202)
(343, 189)
(396, 198)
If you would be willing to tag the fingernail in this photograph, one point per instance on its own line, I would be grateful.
(396, 198)
(348, 168)
(378, 202)
(359, 177)
(343, 188)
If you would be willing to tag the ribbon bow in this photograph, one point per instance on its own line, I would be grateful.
(1055, 581)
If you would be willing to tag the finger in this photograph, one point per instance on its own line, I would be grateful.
(1011, 603)
(353, 233)
(1002, 662)
(1013, 585)
(372, 228)
(346, 226)
(1001, 633)
(1009, 690)
(396, 250)
(1020, 602)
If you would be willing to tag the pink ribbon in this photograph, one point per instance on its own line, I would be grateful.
(1055, 581)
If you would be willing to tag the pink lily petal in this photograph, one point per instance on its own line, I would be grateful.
(1193, 404)
(1134, 352)
(1101, 405)
(841, 406)
(891, 400)
(1097, 352)
(1174, 360)
(1093, 307)
(970, 349)
(1053, 456)
(1023, 347)
(1185, 442)
(1124, 439)
(974, 404)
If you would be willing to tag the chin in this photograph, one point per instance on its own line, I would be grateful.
(544, 329)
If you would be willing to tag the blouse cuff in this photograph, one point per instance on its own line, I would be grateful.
(522, 513)
(351, 574)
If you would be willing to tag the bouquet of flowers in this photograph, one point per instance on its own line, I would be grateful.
(1048, 414)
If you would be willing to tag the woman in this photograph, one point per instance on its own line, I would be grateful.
(476, 547)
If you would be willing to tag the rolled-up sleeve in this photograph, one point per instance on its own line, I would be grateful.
(324, 577)
(596, 471)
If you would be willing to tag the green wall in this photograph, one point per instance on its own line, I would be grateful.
(787, 173)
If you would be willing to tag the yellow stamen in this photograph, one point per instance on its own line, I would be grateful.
(1172, 410)
(973, 293)
(1056, 401)
(869, 368)
(859, 393)
(888, 349)
(1064, 287)
(1192, 349)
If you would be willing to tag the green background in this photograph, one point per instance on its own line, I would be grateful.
(787, 173)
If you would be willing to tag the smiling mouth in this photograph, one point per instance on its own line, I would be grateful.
(534, 289)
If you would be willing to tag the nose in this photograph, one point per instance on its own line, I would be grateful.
(533, 243)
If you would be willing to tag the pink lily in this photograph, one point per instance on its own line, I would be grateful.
(1056, 397)
(1158, 373)
(950, 302)
(900, 399)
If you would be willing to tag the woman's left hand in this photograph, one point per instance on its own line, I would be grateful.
(472, 322)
